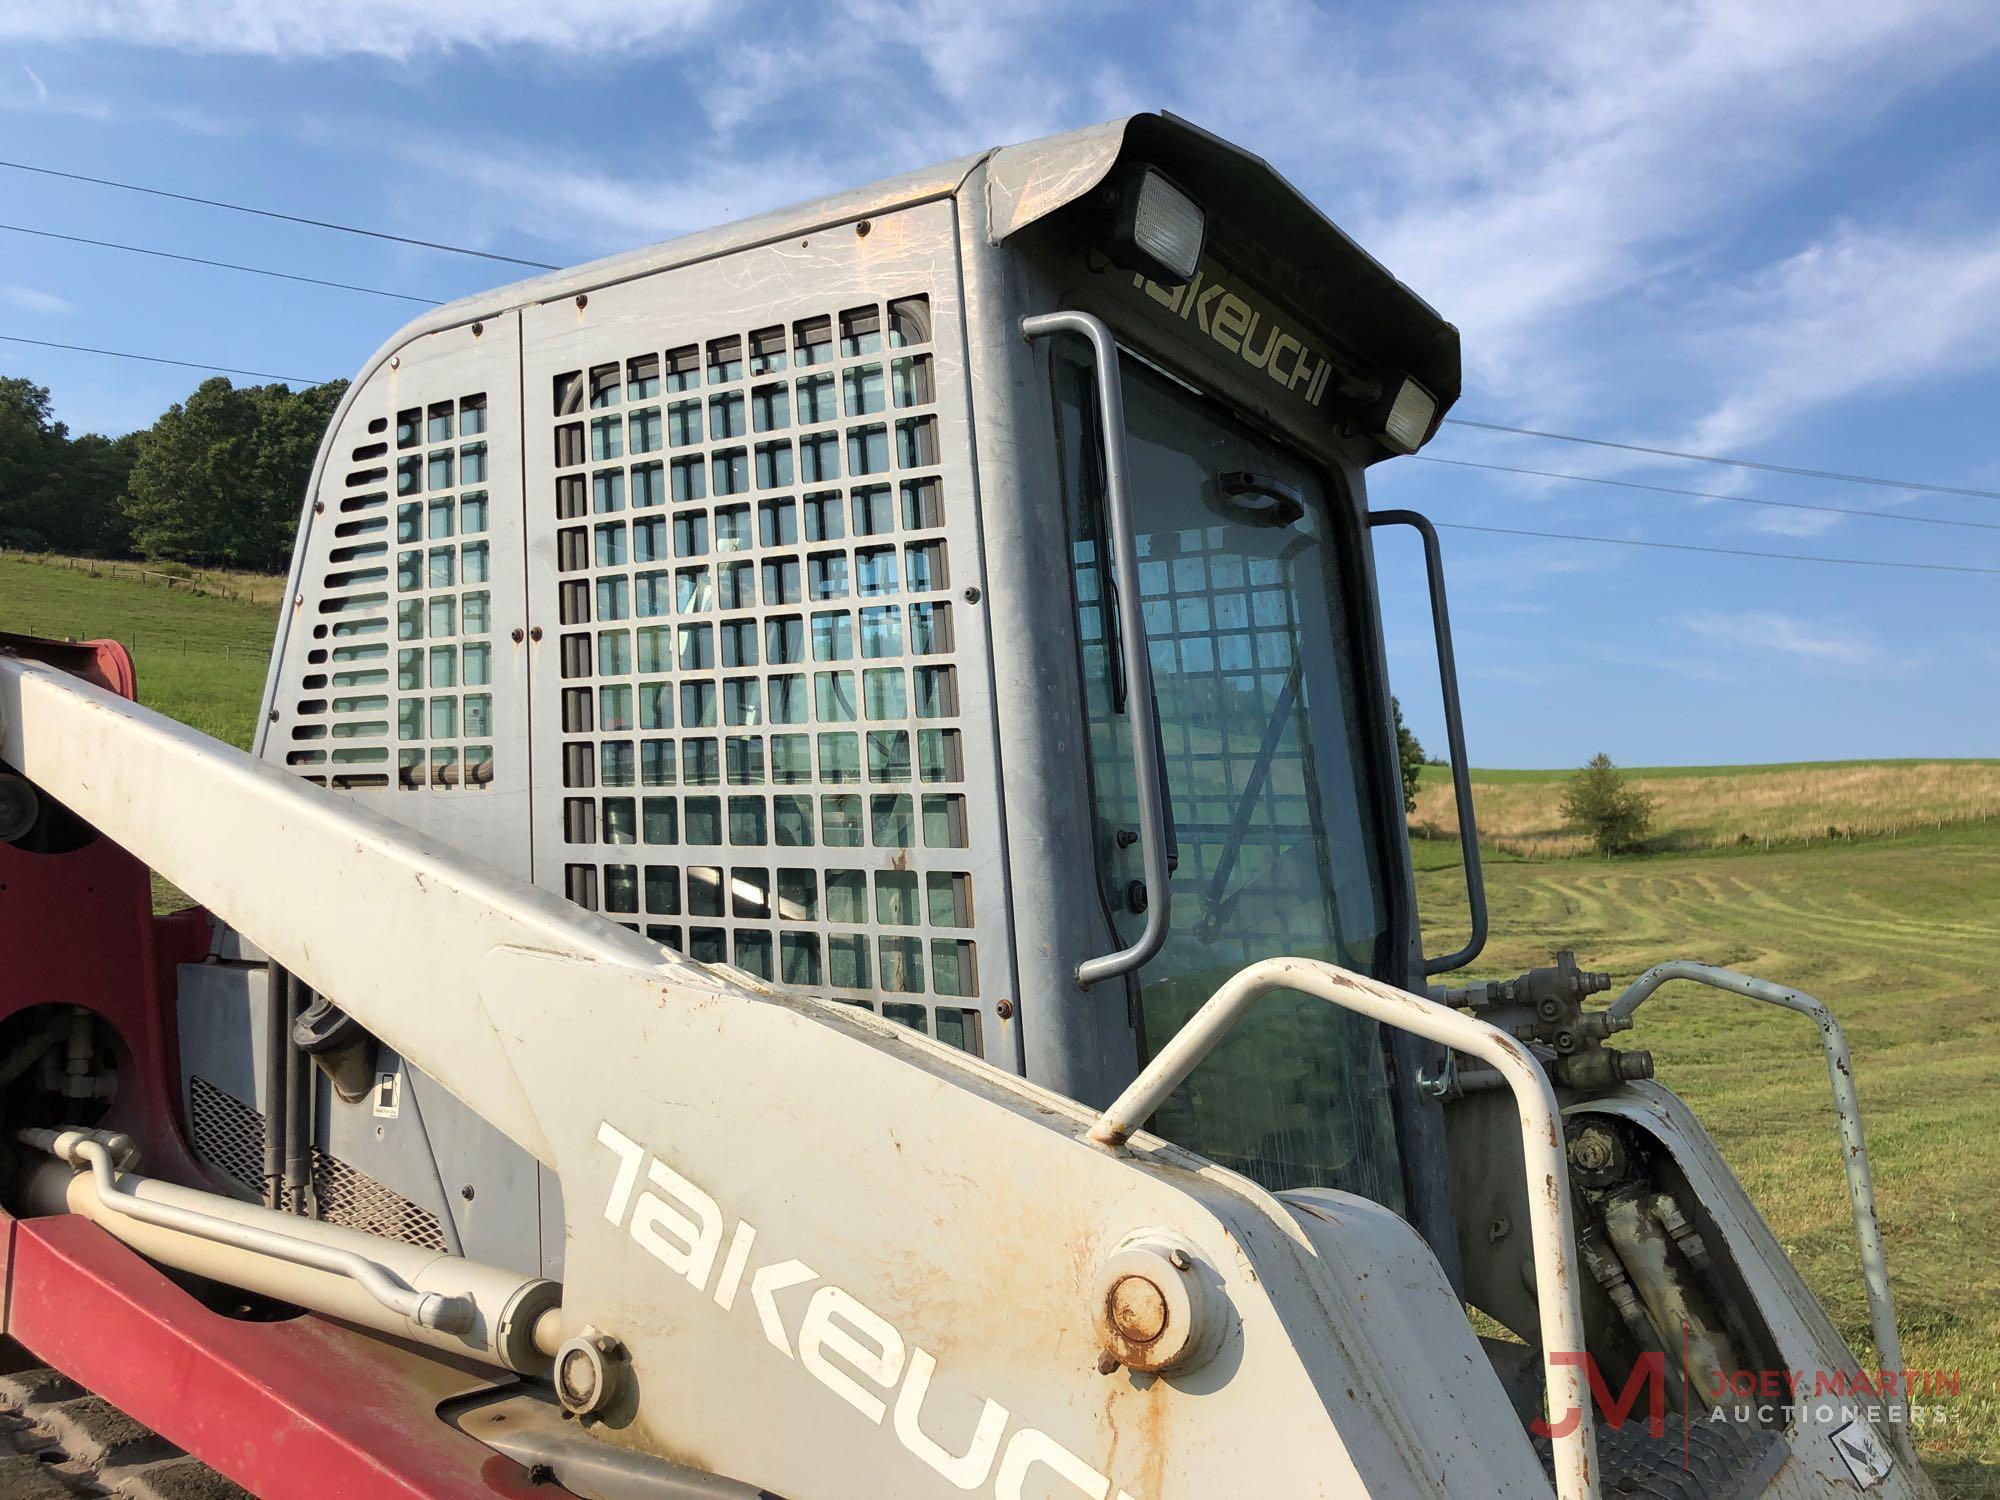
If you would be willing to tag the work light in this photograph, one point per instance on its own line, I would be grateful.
(1155, 227)
(1408, 420)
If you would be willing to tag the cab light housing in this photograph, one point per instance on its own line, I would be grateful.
(1155, 228)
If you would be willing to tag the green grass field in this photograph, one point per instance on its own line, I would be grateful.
(1897, 934)
(200, 659)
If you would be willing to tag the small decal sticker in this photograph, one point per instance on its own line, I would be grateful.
(1866, 1459)
(388, 1095)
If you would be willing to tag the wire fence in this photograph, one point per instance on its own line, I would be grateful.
(212, 585)
(155, 644)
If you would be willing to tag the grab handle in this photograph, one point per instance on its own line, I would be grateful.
(1154, 833)
(1454, 733)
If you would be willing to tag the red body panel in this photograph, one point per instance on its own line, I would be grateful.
(303, 1407)
(78, 929)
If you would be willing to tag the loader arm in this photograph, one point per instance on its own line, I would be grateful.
(786, 1215)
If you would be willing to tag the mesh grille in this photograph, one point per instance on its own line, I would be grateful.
(762, 752)
(229, 1137)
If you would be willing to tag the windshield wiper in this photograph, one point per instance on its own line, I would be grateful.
(1239, 824)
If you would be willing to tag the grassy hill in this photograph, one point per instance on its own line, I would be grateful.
(200, 658)
(1714, 807)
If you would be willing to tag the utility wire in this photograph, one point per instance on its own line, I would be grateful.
(1661, 489)
(1559, 536)
(196, 260)
(542, 265)
(1734, 463)
(1620, 541)
(154, 359)
(266, 213)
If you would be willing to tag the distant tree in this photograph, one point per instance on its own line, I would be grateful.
(220, 477)
(192, 491)
(83, 504)
(31, 443)
(1410, 757)
(290, 426)
(1598, 801)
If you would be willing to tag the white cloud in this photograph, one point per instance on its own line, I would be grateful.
(29, 299)
(1857, 312)
(516, 190)
(1521, 165)
(41, 89)
(1796, 523)
(946, 80)
(1789, 635)
(399, 29)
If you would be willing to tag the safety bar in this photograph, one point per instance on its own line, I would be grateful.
(1846, 1110)
(1139, 710)
(1454, 733)
(447, 1314)
(1550, 1227)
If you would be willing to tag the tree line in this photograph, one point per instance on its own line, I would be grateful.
(216, 481)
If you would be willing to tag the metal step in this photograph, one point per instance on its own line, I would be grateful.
(1711, 1459)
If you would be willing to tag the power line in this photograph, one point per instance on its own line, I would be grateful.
(1734, 463)
(155, 359)
(1620, 541)
(77, 239)
(1661, 489)
(541, 265)
(266, 213)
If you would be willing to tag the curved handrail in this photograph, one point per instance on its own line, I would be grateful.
(1847, 1112)
(1558, 1299)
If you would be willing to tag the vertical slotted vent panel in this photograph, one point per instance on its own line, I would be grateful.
(409, 528)
(762, 750)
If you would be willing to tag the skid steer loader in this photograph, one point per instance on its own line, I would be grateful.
(820, 909)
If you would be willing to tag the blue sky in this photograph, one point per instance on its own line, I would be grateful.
(1768, 230)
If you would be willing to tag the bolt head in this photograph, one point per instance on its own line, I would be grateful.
(1107, 1363)
(1157, 1310)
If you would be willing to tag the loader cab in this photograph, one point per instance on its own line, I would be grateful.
(1263, 363)
(756, 591)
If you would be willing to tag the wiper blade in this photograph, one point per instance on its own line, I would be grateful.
(1212, 903)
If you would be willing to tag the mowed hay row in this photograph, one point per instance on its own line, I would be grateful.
(1781, 806)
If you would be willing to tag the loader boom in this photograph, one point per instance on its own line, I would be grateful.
(675, 1103)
